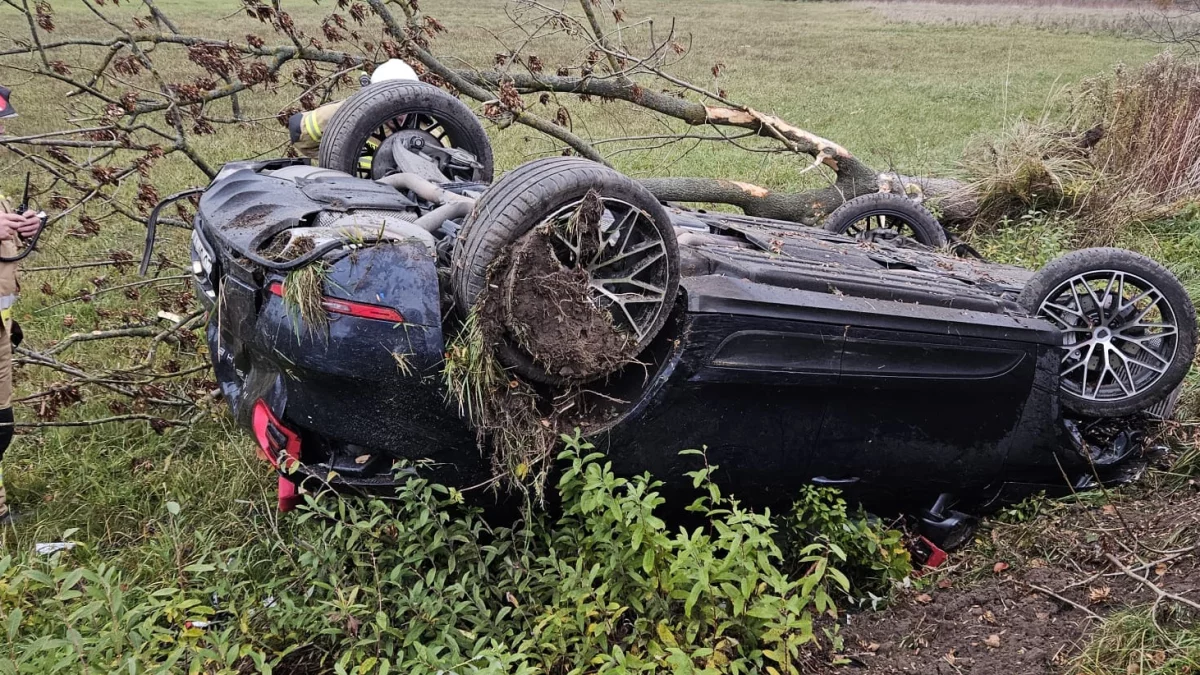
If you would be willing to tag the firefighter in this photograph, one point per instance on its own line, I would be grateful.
(306, 128)
(12, 227)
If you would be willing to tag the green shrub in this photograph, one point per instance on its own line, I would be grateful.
(1030, 240)
(422, 584)
(875, 556)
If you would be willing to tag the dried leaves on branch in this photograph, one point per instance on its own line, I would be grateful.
(151, 387)
(133, 108)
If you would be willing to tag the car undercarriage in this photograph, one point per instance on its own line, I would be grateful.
(900, 373)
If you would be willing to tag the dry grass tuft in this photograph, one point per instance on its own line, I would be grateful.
(501, 408)
(1128, 152)
(471, 373)
(1151, 118)
(303, 292)
(1031, 166)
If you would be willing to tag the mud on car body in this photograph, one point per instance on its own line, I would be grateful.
(874, 363)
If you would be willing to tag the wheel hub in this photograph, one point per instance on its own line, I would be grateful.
(1119, 336)
(626, 261)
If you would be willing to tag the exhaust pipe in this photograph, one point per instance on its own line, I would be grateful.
(423, 188)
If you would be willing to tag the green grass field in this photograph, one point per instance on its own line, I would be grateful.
(906, 95)
(896, 94)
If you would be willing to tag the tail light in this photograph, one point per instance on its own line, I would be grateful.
(361, 310)
(278, 445)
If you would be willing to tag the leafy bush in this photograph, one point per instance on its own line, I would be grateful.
(875, 556)
(421, 584)
(1031, 240)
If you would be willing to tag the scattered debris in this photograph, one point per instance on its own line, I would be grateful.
(53, 547)
(1038, 618)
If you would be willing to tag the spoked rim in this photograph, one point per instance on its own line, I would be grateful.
(428, 124)
(1120, 335)
(882, 221)
(625, 258)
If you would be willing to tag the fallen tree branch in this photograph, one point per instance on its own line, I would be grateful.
(87, 297)
(153, 419)
(79, 265)
(119, 386)
(1158, 591)
(162, 119)
(148, 330)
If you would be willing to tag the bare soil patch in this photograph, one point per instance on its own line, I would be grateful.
(993, 609)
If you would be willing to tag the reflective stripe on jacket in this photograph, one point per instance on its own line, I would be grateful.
(307, 129)
(9, 284)
(312, 124)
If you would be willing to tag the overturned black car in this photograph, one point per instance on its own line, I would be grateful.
(876, 364)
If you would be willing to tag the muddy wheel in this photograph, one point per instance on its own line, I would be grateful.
(887, 211)
(591, 222)
(1128, 328)
(414, 109)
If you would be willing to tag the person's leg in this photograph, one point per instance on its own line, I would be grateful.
(6, 434)
(6, 411)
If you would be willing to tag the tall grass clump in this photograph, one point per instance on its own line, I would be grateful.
(303, 295)
(1151, 122)
(1128, 151)
(1144, 640)
(501, 408)
(1031, 166)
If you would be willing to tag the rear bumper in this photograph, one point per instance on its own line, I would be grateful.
(359, 393)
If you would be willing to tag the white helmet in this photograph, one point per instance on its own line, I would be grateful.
(393, 69)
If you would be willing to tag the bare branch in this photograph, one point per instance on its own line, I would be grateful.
(1158, 591)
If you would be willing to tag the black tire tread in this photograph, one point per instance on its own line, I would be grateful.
(361, 113)
(506, 185)
(497, 219)
(515, 204)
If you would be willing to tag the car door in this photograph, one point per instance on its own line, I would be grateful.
(752, 390)
(925, 408)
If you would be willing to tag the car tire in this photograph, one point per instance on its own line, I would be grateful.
(1058, 293)
(361, 115)
(921, 224)
(530, 195)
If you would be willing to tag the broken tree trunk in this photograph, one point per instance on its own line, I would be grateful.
(853, 177)
(139, 120)
(951, 199)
